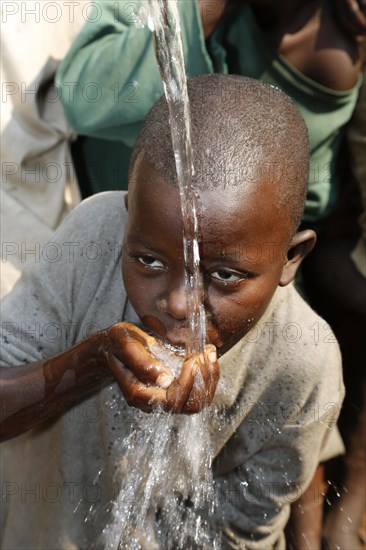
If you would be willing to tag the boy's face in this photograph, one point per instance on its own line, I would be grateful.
(243, 245)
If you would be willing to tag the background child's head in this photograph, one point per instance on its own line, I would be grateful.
(251, 166)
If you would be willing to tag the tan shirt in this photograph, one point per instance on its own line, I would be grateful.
(280, 392)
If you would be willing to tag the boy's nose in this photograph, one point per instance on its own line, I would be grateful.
(174, 303)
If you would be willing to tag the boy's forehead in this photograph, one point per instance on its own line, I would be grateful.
(152, 188)
(253, 202)
(220, 192)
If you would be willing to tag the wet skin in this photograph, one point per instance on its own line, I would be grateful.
(244, 243)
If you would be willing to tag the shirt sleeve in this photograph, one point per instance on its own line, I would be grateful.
(109, 79)
(49, 308)
(35, 315)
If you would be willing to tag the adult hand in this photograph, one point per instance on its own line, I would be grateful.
(146, 382)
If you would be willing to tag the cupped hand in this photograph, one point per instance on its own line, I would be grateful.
(147, 383)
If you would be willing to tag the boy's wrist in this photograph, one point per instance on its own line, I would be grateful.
(95, 352)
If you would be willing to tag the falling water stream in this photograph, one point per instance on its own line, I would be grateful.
(167, 494)
(163, 21)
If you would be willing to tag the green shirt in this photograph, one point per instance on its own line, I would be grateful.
(109, 81)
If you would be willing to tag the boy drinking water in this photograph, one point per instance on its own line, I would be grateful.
(280, 388)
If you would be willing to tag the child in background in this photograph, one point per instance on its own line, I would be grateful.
(301, 47)
(280, 391)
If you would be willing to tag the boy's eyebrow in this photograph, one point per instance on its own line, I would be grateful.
(220, 256)
(238, 257)
(217, 251)
(135, 240)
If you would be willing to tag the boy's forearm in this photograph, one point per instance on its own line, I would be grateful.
(35, 392)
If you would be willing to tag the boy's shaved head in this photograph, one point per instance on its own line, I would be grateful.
(243, 131)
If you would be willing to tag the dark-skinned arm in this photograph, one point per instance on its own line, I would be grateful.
(32, 393)
(35, 392)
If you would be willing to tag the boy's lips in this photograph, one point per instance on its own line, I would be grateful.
(177, 337)
(178, 340)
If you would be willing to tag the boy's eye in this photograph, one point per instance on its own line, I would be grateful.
(149, 261)
(226, 276)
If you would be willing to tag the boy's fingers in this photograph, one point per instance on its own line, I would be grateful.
(208, 369)
(178, 393)
(211, 367)
(206, 381)
(144, 366)
(206, 362)
(121, 332)
(134, 391)
(130, 345)
(134, 366)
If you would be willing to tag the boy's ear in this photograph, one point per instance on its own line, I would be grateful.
(126, 201)
(302, 243)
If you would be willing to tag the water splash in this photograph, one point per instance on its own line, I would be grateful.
(167, 493)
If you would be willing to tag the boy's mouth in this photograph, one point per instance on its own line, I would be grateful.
(175, 338)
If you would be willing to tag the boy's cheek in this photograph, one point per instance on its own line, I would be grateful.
(153, 324)
(232, 319)
(225, 332)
